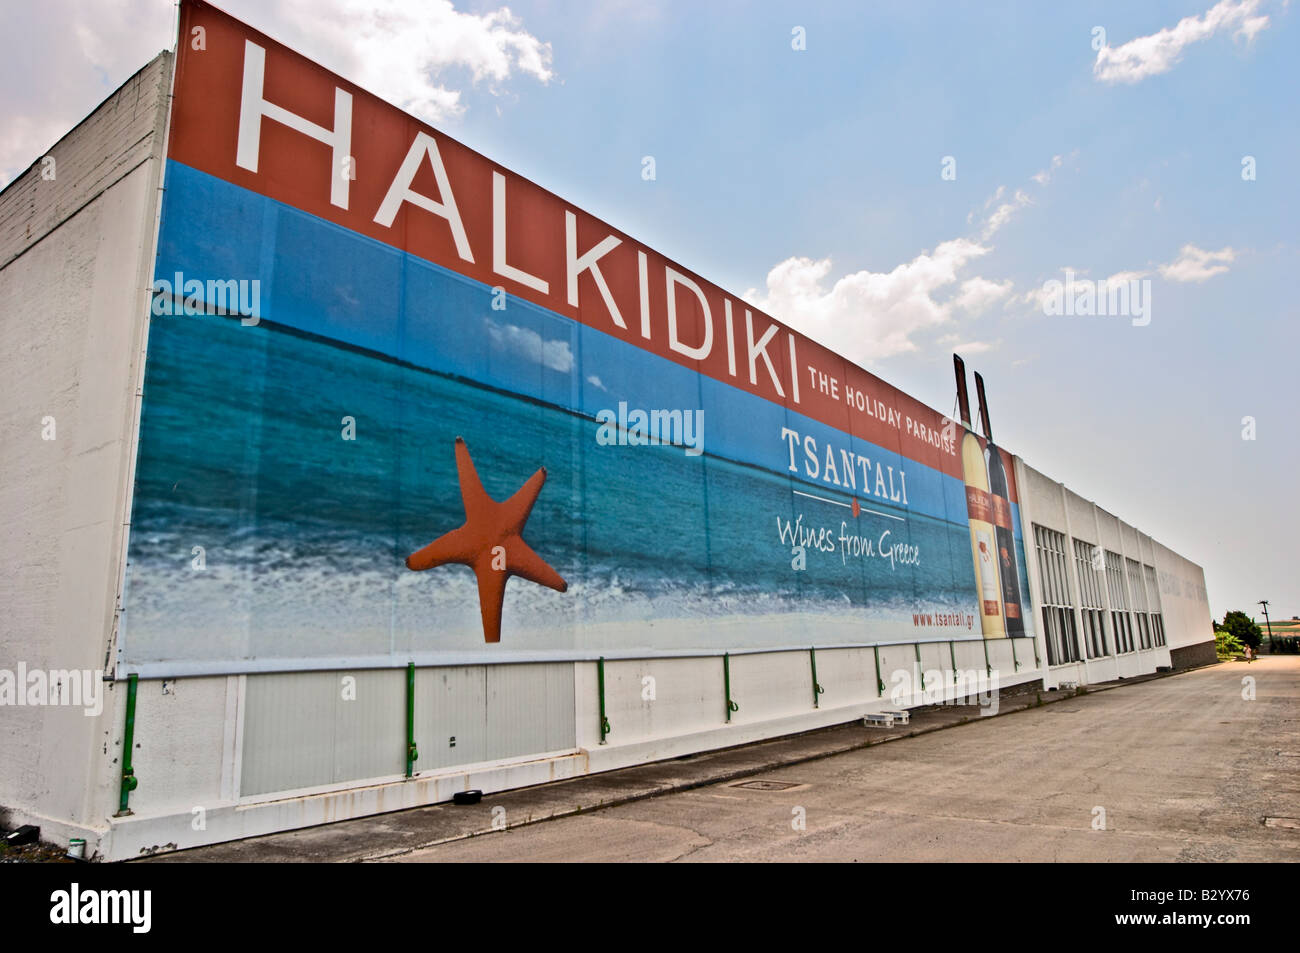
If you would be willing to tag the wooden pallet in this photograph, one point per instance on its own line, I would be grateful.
(885, 719)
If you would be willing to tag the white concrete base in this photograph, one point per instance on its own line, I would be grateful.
(139, 835)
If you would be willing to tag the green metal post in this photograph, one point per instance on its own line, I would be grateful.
(880, 685)
(726, 685)
(919, 668)
(129, 782)
(988, 668)
(952, 654)
(411, 753)
(817, 689)
(600, 680)
(1014, 657)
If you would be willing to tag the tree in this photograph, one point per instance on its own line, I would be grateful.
(1226, 646)
(1242, 628)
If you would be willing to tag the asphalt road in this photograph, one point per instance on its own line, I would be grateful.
(1184, 768)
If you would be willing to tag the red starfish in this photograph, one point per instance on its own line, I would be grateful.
(490, 542)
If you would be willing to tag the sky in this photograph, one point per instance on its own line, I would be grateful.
(898, 181)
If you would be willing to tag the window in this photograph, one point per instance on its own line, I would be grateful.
(1137, 592)
(1156, 613)
(1058, 610)
(1092, 608)
(1121, 623)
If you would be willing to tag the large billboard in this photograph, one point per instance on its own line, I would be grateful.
(401, 404)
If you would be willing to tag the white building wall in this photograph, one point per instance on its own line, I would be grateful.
(1109, 531)
(76, 252)
(1183, 603)
(1081, 514)
(1183, 598)
(222, 757)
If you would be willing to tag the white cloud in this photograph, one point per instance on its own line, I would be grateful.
(531, 346)
(1192, 264)
(1045, 176)
(23, 140)
(987, 202)
(1158, 53)
(398, 49)
(977, 294)
(73, 55)
(1196, 264)
(68, 58)
(1034, 297)
(866, 315)
(1003, 213)
(953, 342)
(595, 381)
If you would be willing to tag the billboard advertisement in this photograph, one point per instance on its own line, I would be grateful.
(401, 403)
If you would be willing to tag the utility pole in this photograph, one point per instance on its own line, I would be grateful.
(1271, 647)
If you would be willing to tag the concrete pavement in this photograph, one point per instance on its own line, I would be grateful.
(1184, 769)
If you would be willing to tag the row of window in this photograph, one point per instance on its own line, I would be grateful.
(1135, 613)
(1092, 609)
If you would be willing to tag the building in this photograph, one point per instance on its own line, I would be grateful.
(276, 342)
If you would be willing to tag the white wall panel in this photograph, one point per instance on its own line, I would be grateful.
(529, 710)
(770, 685)
(688, 697)
(494, 713)
(848, 675)
(450, 702)
(300, 731)
(179, 740)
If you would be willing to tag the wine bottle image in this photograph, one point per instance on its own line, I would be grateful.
(979, 511)
(1003, 531)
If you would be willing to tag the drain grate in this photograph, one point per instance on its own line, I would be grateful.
(1290, 823)
(768, 785)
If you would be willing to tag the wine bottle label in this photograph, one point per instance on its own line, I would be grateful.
(988, 588)
(979, 505)
(1001, 511)
(1013, 611)
(1010, 584)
